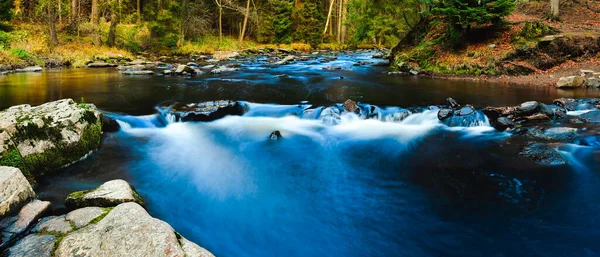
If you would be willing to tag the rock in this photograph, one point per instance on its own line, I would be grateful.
(351, 106)
(48, 136)
(138, 72)
(286, 60)
(208, 67)
(222, 69)
(503, 123)
(586, 72)
(571, 82)
(332, 68)
(554, 134)
(546, 110)
(53, 224)
(30, 69)
(14, 226)
(139, 62)
(542, 154)
(111, 193)
(33, 246)
(131, 67)
(275, 135)
(15, 191)
(592, 82)
(414, 72)
(127, 230)
(591, 117)
(101, 65)
(528, 107)
(220, 55)
(205, 111)
(537, 116)
(192, 249)
(109, 124)
(192, 65)
(467, 110)
(444, 114)
(83, 216)
(183, 68)
(452, 103)
(378, 56)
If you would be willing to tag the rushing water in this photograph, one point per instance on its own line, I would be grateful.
(341, 186)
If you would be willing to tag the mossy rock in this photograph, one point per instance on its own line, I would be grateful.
(109, 194)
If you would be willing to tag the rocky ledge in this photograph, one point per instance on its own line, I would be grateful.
(117, 226)
(39, 139)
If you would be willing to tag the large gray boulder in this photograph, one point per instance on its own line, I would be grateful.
(53, 224)
(39, 139)
(111, 193)
(83, 216)
(128, 230)
(14, 226)
(571, 82)
(33, 246)
(15, 191)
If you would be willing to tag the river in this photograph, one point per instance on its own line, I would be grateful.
(344, 187)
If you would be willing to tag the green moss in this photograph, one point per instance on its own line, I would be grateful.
(105, 211)
(137, 197)
(59, 239)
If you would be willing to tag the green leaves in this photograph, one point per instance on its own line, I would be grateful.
(460, 15)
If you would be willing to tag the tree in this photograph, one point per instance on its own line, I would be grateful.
(6, 10)
(328, 16)
(74, 26)
(220, 6)
(51, 17)
(245, 20)
(139, 11)
(114, 20)
(554, 6)
(460, 15)
(95, 23)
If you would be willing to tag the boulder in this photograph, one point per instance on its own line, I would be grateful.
(286, 60)
(138, 72)
(592, 82)
(83, 216)
(542, 154)
(545, 109)
(528, 107)
(220, 55)
(131, 67)
(563, 134)
(466, 110)
(445, 113)
(30, 69)
(591, 117)
(13, 227)
(183, 68)
(109, 124)
(275, 135)
(49, 136)
(53, 224)
(205, 111)
(127, 230)
(15, 191)
(33, 246)
(351, 106)
(111, 193)
(571, 82)
(101, 65)
(503, 123)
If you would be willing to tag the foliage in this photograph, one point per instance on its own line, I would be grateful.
(461, 15)
(306, 20)
(6, 10)
(4, 41)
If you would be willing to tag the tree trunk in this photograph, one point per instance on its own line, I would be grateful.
(59, 12)
(220, 21)
(184, 16)
(554, 6)
(51, 18)
(344, 16)
(95, 23)
(339, 25)
(139, 11)
(245, 21)
(328, 17)
(114, 20)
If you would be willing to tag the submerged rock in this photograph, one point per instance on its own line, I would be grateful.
(13, 227)
(30, 69)
(554, 134)
(206, 111)
(39, 139)
(542, 154)
(591, 117)
(33, 246)
(111, 193)
(351, 106)
(128, 230)
(109, 124)
(15, 191)
(275, 135)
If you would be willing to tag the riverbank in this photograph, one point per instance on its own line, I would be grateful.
(26, 44)
(527, 49)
